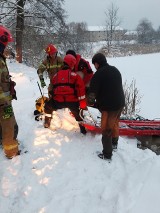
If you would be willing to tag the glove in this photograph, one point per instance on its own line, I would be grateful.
(38, 115)
(12, 90)
(91, 99)
(8, 112)
(83, 104)
(43, 84)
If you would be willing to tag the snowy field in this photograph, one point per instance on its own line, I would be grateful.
(61, 172)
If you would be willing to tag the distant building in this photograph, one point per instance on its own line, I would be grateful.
(99, 33)
(130, 35)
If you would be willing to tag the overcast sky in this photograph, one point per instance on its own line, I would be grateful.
(130, 11)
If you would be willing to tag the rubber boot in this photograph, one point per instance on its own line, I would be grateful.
(47, 121)
(107, 146)
(115, 143)
(82, 129)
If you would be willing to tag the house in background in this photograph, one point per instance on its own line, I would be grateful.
(130, 35)
(99, 33)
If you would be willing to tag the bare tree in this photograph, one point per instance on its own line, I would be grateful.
(145, 31)
(77, 36)
(45, 15)
(19, 29)
(158, 35)
(112, 22)
(132, 98)
(158, 30)
(73, 36)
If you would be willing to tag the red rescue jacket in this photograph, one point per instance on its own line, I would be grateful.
(68, 86)
(83, 66)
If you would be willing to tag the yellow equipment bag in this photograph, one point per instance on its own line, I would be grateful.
(40, 103)
(40, 107)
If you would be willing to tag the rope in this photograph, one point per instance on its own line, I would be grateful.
(90, 115)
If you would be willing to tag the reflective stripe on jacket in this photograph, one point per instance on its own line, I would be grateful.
(51, 66)
(10, 147)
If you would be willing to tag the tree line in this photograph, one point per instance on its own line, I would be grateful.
(35, 23)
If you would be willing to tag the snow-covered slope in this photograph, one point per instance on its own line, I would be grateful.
(61, 172)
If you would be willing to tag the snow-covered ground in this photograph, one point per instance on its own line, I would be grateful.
(61, 172)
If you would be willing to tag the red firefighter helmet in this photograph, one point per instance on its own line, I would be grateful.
(51, 49)
(5, 35)
(70, 60)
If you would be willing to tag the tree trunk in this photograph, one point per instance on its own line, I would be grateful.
(19, 29)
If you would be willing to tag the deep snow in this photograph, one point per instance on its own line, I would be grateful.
(61, 172)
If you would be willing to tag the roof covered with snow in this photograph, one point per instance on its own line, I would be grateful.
(101, 28)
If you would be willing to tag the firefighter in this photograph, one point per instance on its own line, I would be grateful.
(51, 64)
(68, 92)
(8, 125)
(83, 68)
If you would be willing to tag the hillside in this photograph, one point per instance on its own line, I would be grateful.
(61, 171)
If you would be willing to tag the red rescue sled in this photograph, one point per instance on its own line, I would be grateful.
(130, 127)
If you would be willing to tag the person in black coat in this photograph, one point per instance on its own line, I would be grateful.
(106, 92)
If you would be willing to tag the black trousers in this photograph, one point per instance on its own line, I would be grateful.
(53, 105)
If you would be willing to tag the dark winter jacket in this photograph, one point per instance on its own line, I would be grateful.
(106, 87)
